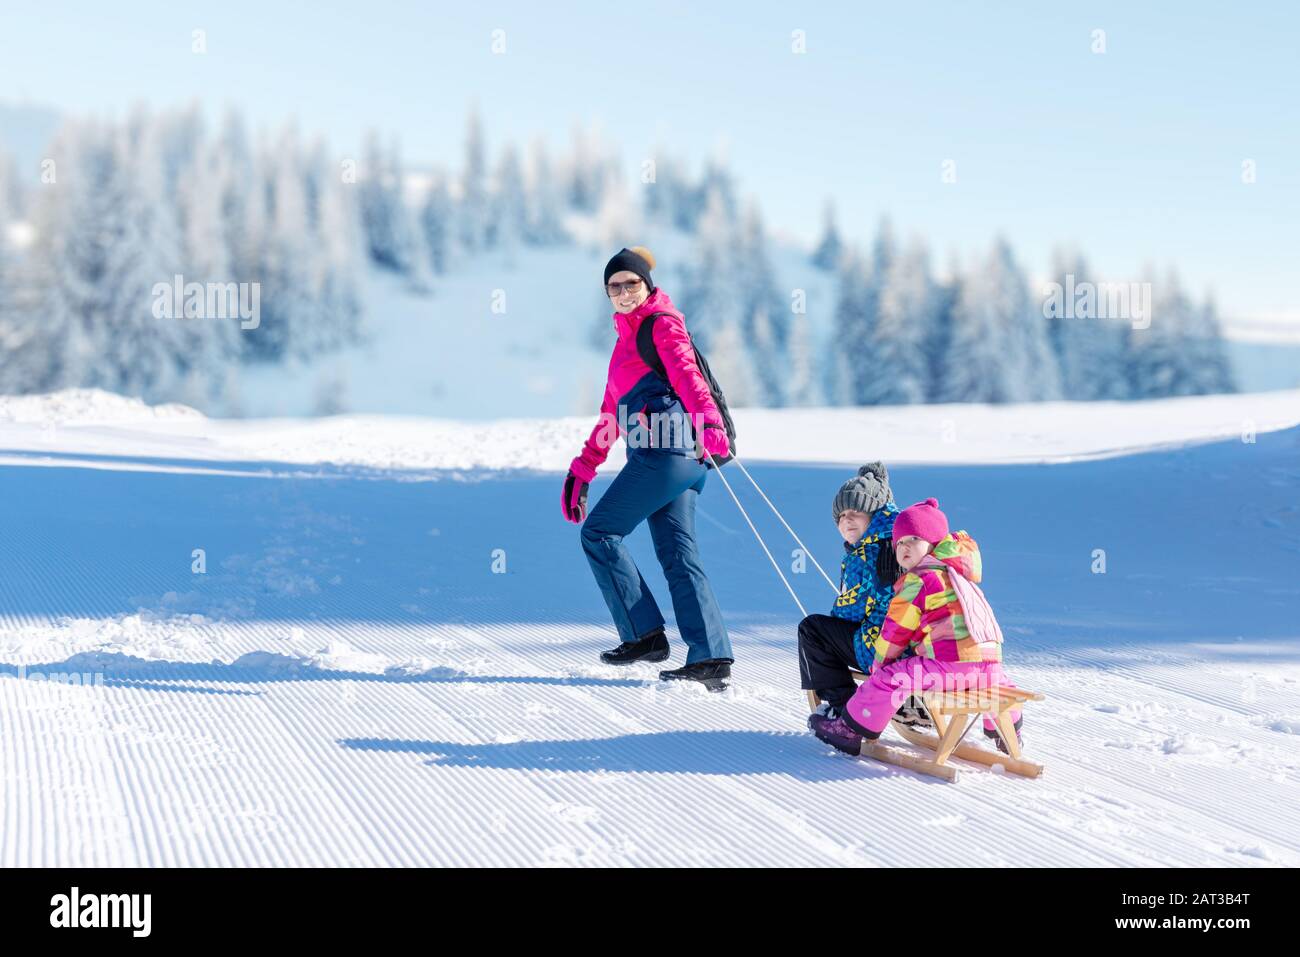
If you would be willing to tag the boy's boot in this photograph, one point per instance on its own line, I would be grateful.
(997, 738)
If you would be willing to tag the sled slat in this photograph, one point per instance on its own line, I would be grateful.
(887, 755)
(973, 753)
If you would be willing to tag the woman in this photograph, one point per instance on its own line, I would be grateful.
(664, 475)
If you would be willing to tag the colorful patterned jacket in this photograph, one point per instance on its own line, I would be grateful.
(864, 593)
(925, 614)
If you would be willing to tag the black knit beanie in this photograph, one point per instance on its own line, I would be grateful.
(637, 259)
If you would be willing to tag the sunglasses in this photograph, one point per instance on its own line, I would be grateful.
(618, 288)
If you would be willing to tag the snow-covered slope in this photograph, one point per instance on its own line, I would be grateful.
(354, 679)
(517, 314)
(94, 427)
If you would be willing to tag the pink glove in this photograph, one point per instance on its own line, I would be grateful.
(574, 499)
(713, 439)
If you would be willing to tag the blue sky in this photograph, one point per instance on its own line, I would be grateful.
(1134, 155)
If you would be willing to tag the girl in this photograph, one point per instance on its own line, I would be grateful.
(939, 612)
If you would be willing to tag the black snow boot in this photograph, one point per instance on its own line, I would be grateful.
(997, 738)
(712, 673)
(653, 647)
(913, 715)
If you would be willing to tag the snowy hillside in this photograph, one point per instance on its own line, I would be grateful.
(544, 355)
(349, 682)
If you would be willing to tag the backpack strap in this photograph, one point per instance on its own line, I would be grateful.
(645, 347)
(645, 344)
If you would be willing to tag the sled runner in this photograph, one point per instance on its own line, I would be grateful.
(954, 713)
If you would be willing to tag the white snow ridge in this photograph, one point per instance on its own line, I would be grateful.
(374, 641)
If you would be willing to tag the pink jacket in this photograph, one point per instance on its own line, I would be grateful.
(633, 388)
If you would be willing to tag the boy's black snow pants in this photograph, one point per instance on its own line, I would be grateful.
(825, 657)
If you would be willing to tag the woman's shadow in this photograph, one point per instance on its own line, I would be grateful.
(723, 753)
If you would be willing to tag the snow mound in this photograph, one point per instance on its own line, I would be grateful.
(1282, 723)
(87, 406)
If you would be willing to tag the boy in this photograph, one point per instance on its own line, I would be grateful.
(829, 645)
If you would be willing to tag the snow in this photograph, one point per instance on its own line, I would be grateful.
(87, 423)
(86, 406)
(351, 683)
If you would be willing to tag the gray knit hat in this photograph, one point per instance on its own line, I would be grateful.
(866, 492)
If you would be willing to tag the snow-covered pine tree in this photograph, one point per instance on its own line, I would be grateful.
(10, 325)
(374, 190)
(140, 354)
(12, 195)
(730, 360)
(711, 296)
(336, 261)
(665, 196)
(851, 325)
(287, 305)
(1181, 352)
(617, 217)
(545, 209)
(584, 171)
(472, 201)
(805, 385)
(438, 224)
(997, 349)
(213, 342)
(1039, 362)
(177, 137)
(393, 240)
(8, 220)
(717, 185)
(1089, 349)
(1157, 366)
(830, 247)
(1217, 374)
(764, 311)
(49, 343)
(856, 318)
(903, 332)
(243, 200)
(508, 224)
(104, 238)
(946, 290)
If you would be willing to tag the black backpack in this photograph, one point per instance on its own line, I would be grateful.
(645, 345)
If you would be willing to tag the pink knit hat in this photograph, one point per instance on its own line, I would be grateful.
(924, 520)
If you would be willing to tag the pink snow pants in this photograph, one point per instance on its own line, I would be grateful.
(878, 698)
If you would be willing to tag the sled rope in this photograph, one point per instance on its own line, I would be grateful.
(834, 587)
(727, 484)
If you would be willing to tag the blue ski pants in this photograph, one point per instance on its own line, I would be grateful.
(661, 489)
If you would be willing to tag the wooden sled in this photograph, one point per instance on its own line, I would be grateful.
(954, 713)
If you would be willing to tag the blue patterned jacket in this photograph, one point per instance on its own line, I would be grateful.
(863, 596)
